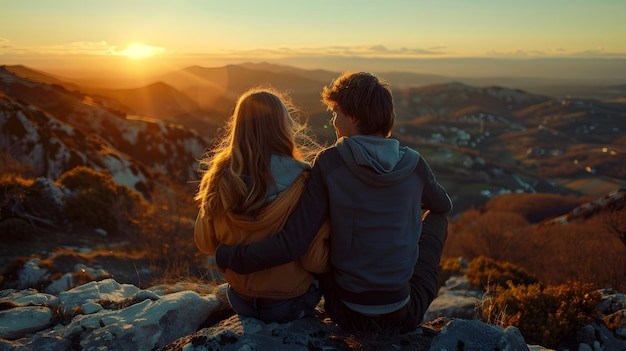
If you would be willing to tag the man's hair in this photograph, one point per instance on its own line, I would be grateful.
(364, 97)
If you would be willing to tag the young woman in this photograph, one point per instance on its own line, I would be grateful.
(253, 180)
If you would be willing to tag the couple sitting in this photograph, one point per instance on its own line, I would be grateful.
(349, 227)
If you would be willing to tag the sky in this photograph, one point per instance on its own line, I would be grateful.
(438, 36)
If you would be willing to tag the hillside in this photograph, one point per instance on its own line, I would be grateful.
(54, 130)
(481, 141)
(545, 144)
(157, 100)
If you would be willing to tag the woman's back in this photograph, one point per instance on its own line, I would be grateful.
(253, 181)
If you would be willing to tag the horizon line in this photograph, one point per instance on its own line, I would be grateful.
(590, 69)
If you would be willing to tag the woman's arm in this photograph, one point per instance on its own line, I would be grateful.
(204, 235)
(291, 242)
(317, 257)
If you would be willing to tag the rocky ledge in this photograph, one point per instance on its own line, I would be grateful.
(108, 315)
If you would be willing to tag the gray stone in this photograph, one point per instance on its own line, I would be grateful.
(19, 321)
(476, 336)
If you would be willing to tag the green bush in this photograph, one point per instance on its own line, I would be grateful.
(98, 201)
(487, 274)
(548, 316)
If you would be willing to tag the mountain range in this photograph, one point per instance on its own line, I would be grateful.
(480, 140)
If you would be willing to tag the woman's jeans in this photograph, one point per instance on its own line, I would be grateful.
(276, 310)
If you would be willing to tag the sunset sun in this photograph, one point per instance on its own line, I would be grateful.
(140, 51)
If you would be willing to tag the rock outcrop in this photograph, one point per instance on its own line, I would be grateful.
(110, 315)
(106, 314)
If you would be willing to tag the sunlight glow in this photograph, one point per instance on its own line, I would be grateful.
(139, 51)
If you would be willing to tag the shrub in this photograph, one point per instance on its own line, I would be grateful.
(34, 200)
(487, 273)
(496, 234)
(14, 184)
(98, 201)
(548, 316)
(92, 199)
(13, 189)
(553, 253)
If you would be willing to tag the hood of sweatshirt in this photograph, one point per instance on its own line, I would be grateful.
(377, 160)
(285, 170)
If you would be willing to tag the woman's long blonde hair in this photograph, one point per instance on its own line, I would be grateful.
(237, 173)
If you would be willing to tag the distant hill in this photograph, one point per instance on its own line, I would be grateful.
(54, 130)
(455, 99)
(481, 140)
(41, 77)
(157, 100)
(503, 140)
(223, 85)
(320, 75)
(606, 203)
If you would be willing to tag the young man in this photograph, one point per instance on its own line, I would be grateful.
(373, 191)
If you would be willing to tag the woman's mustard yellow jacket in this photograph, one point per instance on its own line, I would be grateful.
(281, 282)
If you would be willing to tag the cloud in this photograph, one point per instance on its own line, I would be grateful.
(73, 48)
(365, 51)
(599, 53)
(90, 48)
(536, 53)
(5, 45)
(84, 47)
(519, 53)
(555, 53)
(592, 52)
(438, 47)
(371, 51)
(7, 49)
(378, 48)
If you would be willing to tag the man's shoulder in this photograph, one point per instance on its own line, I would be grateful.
(409, 149)
(327, 154)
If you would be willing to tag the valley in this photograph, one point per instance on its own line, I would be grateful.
(482, 141)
